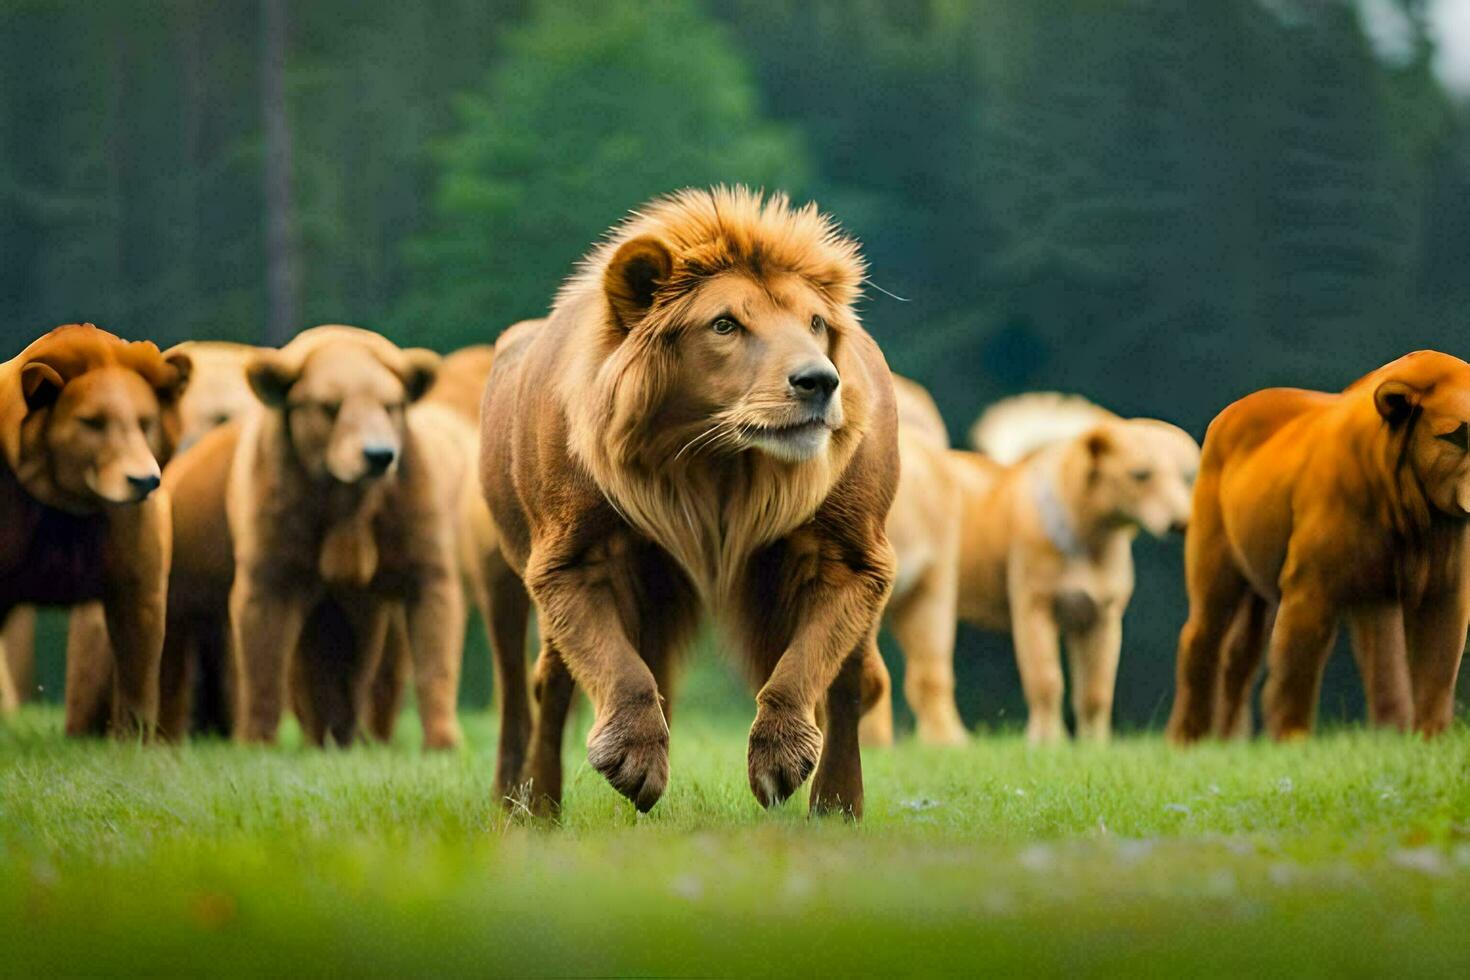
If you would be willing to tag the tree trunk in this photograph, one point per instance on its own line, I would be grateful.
(282, 259)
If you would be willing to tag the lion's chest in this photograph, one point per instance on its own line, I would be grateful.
(53, 558)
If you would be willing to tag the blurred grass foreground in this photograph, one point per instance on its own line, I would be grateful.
(1346, 855)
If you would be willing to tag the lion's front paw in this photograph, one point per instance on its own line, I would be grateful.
(784, 748)
(442, 735)
(630, 747)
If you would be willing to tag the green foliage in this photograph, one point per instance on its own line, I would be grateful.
(1345, 855)
(592, 111)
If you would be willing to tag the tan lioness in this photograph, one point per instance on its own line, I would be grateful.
(217, 394)
(1038, 543)
(701, 424)
(339, 515)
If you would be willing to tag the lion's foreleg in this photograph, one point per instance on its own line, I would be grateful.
(139, 549)
(1436, 636)
(839, 608)
(436, 618)
(542, 774)
(577, 605)
(1094, 656)
(838, 784)
(266, 620)
(1383, 662)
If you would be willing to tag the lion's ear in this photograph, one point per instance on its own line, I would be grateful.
(183, 367)
(633, 276)
(1396, 400)
(270, 378)
(420, 371)
(41, 384)
(1099, 443)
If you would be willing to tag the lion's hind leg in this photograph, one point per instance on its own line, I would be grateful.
(1216, 589)
(1245, 645)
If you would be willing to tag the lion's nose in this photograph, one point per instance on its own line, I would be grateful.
(814, 382)
(142, 486)
(378, 458)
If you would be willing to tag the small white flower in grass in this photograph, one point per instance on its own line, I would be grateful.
(1020, 791)
(1425, 860)
(1282, 874)
(1220, 883)
(1285, 785)
(1131, 851)
(1214, 789)
(1179, 808)
(797, 886)
(998, 903)
(688, 887)
(1037, 857)
(920, 805)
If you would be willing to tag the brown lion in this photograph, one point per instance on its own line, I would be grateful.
(701, 424)
(86, 421)
(1312, 508)
(341, 512)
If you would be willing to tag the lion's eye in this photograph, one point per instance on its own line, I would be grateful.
(818, 324)
(94, 422)
(724, 325)
(330, 409)
(1459, 438)
(1141, 476)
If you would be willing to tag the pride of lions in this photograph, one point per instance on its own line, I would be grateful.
(701, 427)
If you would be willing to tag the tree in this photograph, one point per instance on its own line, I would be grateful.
(282, 263)
(592, 111)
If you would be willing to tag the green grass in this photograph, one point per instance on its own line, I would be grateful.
(1349, 854)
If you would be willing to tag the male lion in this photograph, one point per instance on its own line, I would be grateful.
(701, 423)
(85, 421)
(342, 511)
(1035, 537)
(1329, 506)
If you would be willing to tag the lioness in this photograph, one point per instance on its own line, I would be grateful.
(195, 663)
(340, 510)
(1329, 506)
(85, 421)
(1037, 542)
(701, 423)
(452, 405)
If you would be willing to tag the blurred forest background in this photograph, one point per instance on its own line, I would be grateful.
(1160, 204)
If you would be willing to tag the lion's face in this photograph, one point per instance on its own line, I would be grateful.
(755, 362)
(106, 432)
(1438, 441)
(344, 407)
(746, 361)
(218, 392)
(1142, 474)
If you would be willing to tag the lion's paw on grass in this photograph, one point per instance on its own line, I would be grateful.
(631, 750)
(784, 748)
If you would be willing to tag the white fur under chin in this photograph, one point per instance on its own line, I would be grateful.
(796, 447)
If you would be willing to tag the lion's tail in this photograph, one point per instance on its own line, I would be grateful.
(1014, 428)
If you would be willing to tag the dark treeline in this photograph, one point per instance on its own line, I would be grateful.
(1161, 204)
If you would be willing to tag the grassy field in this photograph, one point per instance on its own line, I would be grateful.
(1346, 855)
